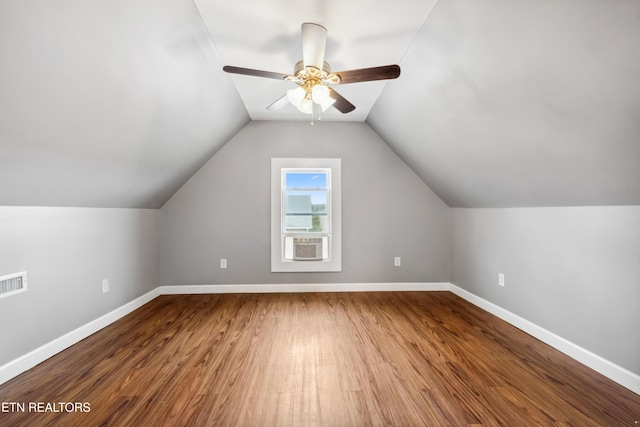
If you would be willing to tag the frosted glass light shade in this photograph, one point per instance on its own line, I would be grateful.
(296, 96)
(328, 103)
(320, 94)
(306, 106)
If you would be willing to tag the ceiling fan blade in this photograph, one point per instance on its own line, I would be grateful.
(251, 72)
(341, 103)
(314, 41)
(280, 103)
(384, 72)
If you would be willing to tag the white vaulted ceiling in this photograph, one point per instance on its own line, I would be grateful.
(108, 103)
(523, 103)
(361, 34)
(500, 103)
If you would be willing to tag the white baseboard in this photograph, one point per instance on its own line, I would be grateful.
(302, 287)
(610, 370)
(25, 362)
(616, 373)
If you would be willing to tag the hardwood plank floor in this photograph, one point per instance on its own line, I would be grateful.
(317, 359)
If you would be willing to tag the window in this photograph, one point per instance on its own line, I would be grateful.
(306, 214)
(305, 208)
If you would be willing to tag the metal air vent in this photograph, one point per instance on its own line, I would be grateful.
(13, 284)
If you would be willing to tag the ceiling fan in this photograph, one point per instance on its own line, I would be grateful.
(314, 77)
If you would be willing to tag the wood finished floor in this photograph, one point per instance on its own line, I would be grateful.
(320, 359)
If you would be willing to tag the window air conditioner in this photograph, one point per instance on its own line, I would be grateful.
(307, 248)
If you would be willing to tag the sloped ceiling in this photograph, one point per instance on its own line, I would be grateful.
(117, 103)
(521, 103)
(108, 103)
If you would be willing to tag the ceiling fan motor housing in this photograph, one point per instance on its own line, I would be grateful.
(311, 76)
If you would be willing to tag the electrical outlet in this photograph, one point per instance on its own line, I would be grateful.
(397, 262)
(223, 263)
(500, 279)
(105, 286)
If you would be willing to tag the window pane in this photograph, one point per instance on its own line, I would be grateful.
(306, 211)
(306, 180)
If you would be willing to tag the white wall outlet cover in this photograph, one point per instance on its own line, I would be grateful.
(105, 286)
(500, 279)
(397, 262)
(223, 263)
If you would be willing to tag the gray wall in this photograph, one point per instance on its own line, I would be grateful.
(224, 211)
(573, 271)
(66, 253)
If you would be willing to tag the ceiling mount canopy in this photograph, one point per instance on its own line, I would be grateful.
(313, 76)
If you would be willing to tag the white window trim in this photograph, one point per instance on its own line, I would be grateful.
(334, 263)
